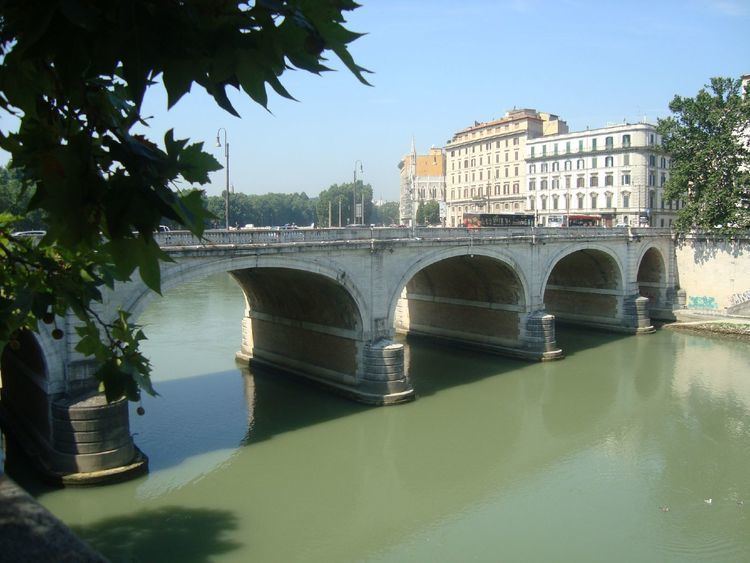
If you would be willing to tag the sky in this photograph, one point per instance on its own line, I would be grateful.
(440, 65)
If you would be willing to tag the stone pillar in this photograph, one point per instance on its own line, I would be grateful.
(538, 336)
(384, 380)
(635, 314)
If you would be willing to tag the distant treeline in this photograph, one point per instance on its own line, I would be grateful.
(268, 210)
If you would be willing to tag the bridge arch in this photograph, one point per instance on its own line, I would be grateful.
(174, 275)
(585, 283)
(652, 277)
(25, 381)
(475, 296)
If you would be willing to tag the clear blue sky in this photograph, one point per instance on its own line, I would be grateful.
(439, 65)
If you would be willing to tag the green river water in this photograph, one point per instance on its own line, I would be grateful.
(496, 460)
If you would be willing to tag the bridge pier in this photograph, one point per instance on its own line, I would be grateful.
(65, 427)
(370, 372)
(538, 336)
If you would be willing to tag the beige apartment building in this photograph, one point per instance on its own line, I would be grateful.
(614, 175)
(485, 168)
(422, 180)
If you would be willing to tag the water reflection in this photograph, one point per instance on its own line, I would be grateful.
(493, 451)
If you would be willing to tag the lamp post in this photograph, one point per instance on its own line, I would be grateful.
(354, 190)
(226, 167)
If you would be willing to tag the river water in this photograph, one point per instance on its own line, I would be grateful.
(608, 455)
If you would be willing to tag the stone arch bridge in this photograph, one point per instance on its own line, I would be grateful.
(325, 304)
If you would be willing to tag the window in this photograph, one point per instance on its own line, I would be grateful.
(516, 205)
(466, 163)
(544, 202)
(544, 167)
(506, 189)
(543, 185)
(609, 162)
(608, 200)
(532, 168)
(453, 153)
(593, 201)
(480, 161)
(609, 180)
(651, 139)
(593, 162)
(580, 182)
(580, 164)
(593, 144)
(506, 171)
(515, 170)
(515, 140)
(663, 162)
(466, 193)
(480, 174)
(651, 179)
(626, 140)
(531, 203)
(532, 152)
(515, 155)
(625, 179)
(567, 146)
(651, 160)
(555, 166)
(497, 189)
(555, 183)
(568, 165)
(554, 149)
(473, 192)
(506, 206)
(626, 200)
(516, 188)
(580, 201)
(651, 198)
(532, 185)
(626, 160)
(555, 201)
(608, 143)
(594, 181)
(544, 150)
(567, 182)
(497, 173)
(507, 156)
(663, 179)
(580, 145)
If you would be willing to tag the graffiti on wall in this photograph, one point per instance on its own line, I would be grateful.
(740, 298)
(739, 303)
(701, 302)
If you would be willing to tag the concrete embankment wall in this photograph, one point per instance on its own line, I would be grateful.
(715, 274)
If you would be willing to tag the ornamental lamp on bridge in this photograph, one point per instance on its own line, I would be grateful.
(226, 168)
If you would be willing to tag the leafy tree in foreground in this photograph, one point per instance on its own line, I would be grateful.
(74, 74)
(708, 139)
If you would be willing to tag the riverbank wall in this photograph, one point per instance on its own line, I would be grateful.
(714, 274)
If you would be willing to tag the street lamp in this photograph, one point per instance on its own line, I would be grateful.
(354, 190)
(226, 167)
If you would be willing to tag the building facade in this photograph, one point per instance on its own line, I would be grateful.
(614, 175)
(422, 180)
(485, 169)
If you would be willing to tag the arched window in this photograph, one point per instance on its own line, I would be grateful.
(544, 167)
(543, 185)
(568, 165)
(626, 140)
(555, 166)
(608, 160)
(608, 143)
(580, 164)
(555, 199)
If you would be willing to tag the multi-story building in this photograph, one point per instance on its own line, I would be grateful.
(614, 175)
(485, 163)
(422, 180)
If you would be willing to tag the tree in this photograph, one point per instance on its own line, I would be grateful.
(708, 140)
(386, 214)
(345, 195)
(431, 210)
(74, 74)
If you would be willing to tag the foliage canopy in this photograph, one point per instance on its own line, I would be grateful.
(708, 139)
(74, 73)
